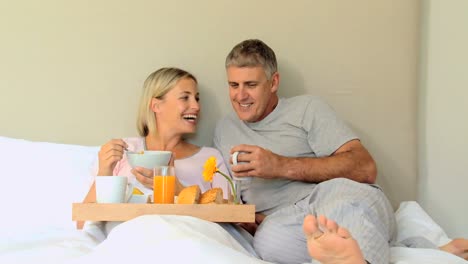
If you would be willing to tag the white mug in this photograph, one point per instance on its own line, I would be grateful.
(235, 162)
(113, 189)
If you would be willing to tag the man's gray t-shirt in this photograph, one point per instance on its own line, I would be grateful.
(301, 126)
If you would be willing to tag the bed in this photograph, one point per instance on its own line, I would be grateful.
(42, 180)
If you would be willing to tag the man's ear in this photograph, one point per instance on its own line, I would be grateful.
(275, 79)
(155, 102)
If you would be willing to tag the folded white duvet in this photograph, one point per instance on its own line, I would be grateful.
(169, 239)
(179, 239)
(184, 239)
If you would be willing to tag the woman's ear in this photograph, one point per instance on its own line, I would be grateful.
(155, 102)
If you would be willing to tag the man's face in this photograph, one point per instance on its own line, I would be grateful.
(252, 95)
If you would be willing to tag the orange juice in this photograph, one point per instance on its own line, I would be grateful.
(163, 189)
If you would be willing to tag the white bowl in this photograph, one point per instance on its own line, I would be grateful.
(149, 158)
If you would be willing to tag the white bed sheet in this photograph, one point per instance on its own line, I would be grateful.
(183, 239)
(175, 239)
(47, 246)
(179, 239)
(41, 180)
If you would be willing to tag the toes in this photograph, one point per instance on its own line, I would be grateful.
(332, 227)
(322, 223)
(310, 227)
(343, 232)
(322, 220)
(328, 225)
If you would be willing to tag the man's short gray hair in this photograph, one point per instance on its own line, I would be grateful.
(253, 53)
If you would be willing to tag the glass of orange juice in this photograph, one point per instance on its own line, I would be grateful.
(164, 184)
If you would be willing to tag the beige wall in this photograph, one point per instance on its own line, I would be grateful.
(443, 176)
(71, 71)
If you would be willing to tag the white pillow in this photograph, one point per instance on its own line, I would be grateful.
(413, 221)
(40, 181)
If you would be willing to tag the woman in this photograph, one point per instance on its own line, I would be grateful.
(169, 110)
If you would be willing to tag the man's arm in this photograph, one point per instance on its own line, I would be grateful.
(351, 160)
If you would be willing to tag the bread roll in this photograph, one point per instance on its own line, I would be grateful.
(212, 196)
(189, 195)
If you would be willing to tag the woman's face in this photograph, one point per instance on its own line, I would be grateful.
(178, 111)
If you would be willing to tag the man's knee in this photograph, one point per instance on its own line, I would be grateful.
(349, 189)
(342, 182)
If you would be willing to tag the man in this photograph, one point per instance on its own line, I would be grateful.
(302, 159)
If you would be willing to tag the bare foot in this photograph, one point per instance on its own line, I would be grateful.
(457, 247)
(330, 244)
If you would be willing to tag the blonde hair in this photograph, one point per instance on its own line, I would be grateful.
(157, 85)
(253, 53)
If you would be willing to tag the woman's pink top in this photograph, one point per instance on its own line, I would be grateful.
(188, 170)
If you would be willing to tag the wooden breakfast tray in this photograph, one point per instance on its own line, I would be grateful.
(89, 210)
(122, 212)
